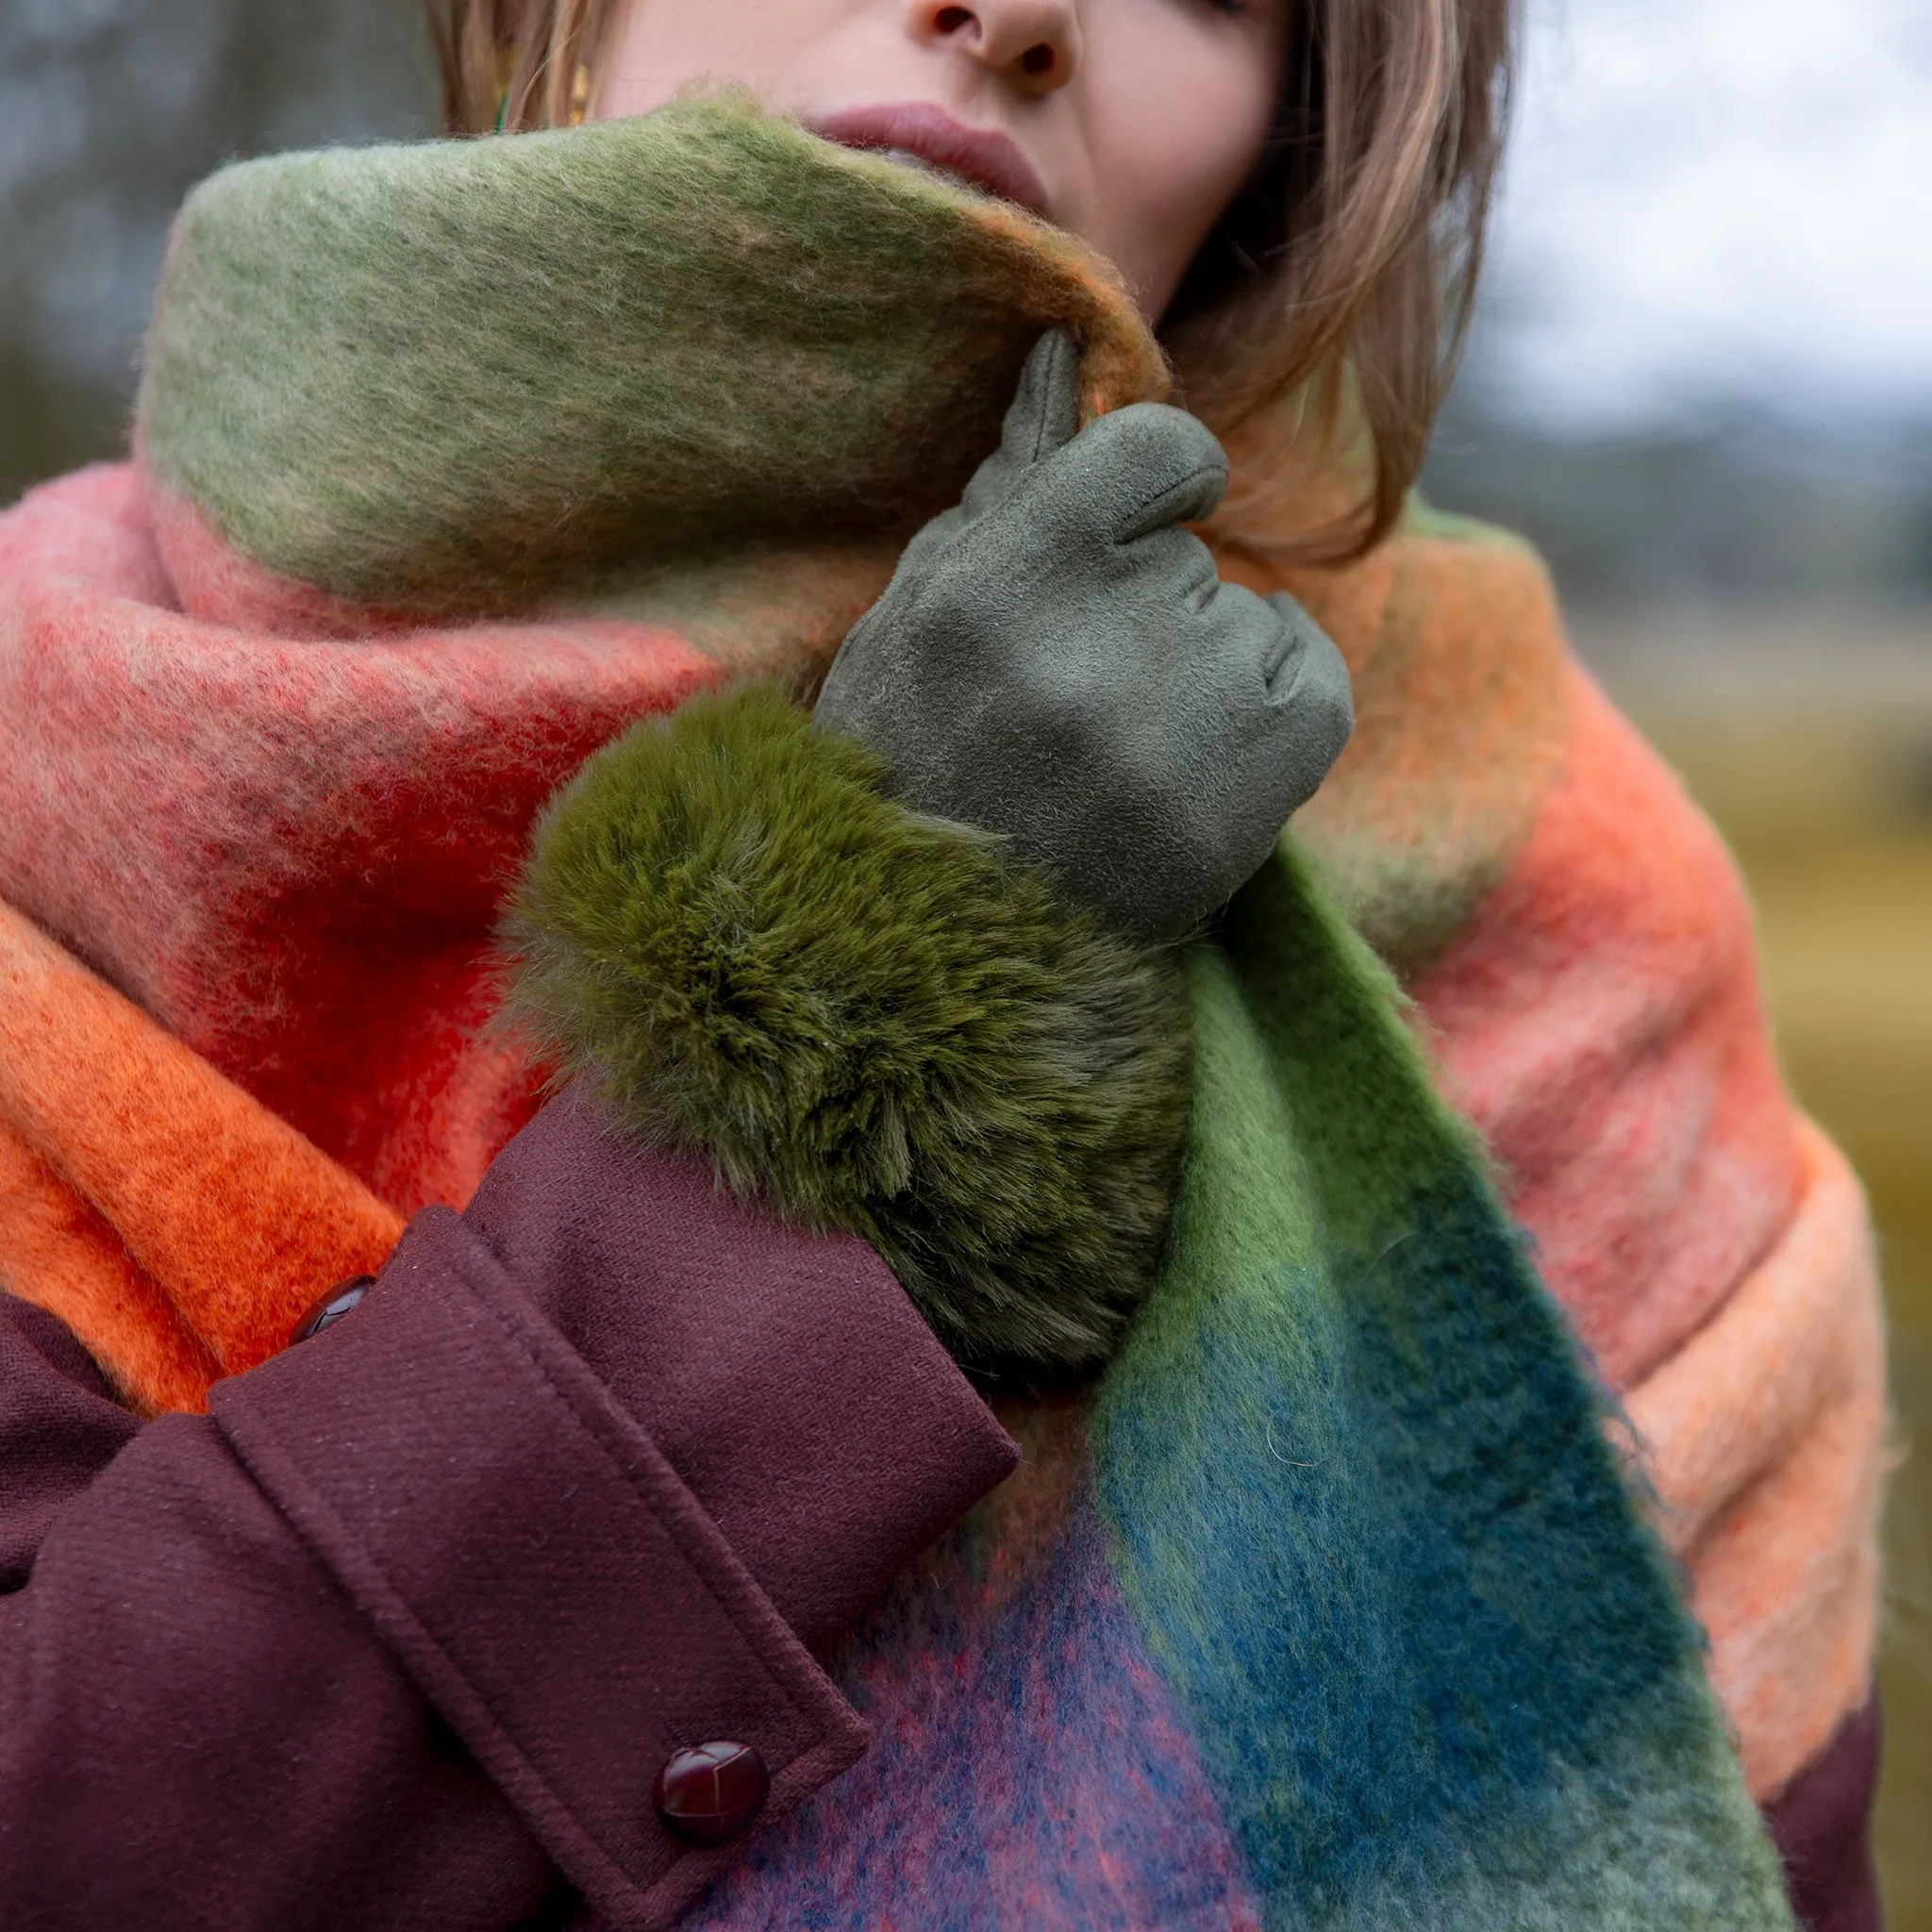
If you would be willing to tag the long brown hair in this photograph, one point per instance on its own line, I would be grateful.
(1338, 282)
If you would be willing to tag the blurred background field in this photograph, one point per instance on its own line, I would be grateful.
(1809, 740)
(1700, 380)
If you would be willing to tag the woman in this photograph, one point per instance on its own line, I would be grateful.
(563, 1570)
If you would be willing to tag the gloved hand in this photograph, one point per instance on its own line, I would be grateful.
(1056, 660)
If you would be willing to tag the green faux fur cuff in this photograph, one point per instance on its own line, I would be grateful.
(876, 1021)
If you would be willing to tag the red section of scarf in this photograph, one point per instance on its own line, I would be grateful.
(289, 850)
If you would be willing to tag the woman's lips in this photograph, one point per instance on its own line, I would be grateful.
(980, 155)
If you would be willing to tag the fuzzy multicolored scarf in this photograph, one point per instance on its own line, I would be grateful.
(1329, 1604)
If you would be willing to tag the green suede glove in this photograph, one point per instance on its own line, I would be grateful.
(1056, 660)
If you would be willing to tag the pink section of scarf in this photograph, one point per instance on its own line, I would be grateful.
(1600, 1022)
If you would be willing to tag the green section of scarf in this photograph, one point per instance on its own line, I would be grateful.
(468, 377)
(1364, 1510)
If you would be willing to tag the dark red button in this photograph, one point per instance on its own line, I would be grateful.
(708, 1795)
(331, 1309)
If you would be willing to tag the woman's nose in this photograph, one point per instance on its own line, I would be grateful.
(1033, 44)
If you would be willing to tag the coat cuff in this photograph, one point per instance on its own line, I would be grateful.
(574, 1637)
(871, 1020)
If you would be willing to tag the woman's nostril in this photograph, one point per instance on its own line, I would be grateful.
(1037, 61)
(949, 20)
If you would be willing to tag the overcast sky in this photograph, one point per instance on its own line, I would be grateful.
(1718, 200)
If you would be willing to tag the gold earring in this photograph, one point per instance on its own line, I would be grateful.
(506, 73)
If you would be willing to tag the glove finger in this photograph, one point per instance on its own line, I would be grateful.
(1306, 665)
(1267, 696)
(1307, 699)
(1140, 470)
(1285, 659)
(1042, 418)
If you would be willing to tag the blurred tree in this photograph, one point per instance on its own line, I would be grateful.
(1732, 508)
(109, 110)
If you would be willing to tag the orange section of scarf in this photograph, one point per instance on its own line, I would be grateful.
(1456, 655)
(172, 1222)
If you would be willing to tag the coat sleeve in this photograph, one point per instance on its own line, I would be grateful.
(1601, 1022)
(875, 1019)
(404, 1631)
